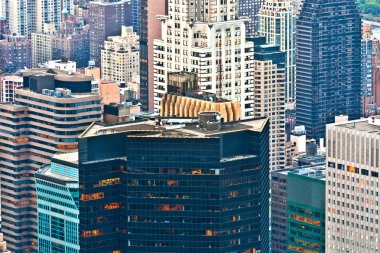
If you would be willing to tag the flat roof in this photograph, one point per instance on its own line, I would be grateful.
(361, 125)
(72, 157)
(315, 171)
(182, 130)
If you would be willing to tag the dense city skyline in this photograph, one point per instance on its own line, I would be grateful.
(239, 126)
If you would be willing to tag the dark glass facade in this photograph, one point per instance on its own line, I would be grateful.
(328, 58)
(170, 191)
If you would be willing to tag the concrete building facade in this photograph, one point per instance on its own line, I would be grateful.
(352, 194)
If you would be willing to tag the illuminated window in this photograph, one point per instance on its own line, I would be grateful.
(106, 182)
(113, 205)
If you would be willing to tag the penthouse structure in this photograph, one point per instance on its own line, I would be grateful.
(48, 115)
(202, 186)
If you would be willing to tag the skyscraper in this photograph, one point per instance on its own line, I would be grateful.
(328, 60)
(277, 25)
(150, 29)
(106, 19)
(269, 72)
(203, 187)
(57, 190)
(352, 181)
(250, 9)
(208, 40)
(45, 119)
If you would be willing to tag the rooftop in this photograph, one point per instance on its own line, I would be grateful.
(183, 129)
(369, 125)
(67, 157)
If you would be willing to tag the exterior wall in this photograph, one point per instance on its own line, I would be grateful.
(21, 16)
(352, 194)
(57, 190)
(329, 85)
(277, 24)
(305, 213)
(120, 57)
(36, 127)
(74, 47)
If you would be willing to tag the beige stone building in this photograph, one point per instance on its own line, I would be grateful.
(120, 57)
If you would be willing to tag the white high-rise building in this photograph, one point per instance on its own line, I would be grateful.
(27, 16)
(120, 57)
(352, 186)
(20, 15)
(277, 24)
(206, 38)
(50, 11)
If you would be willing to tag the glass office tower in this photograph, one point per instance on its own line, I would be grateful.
(57, 205)
(157, 188)
(328, 59)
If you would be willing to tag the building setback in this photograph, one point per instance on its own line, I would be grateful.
(187, 189)
(45, 119)
(328, 59)
(352, 194)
